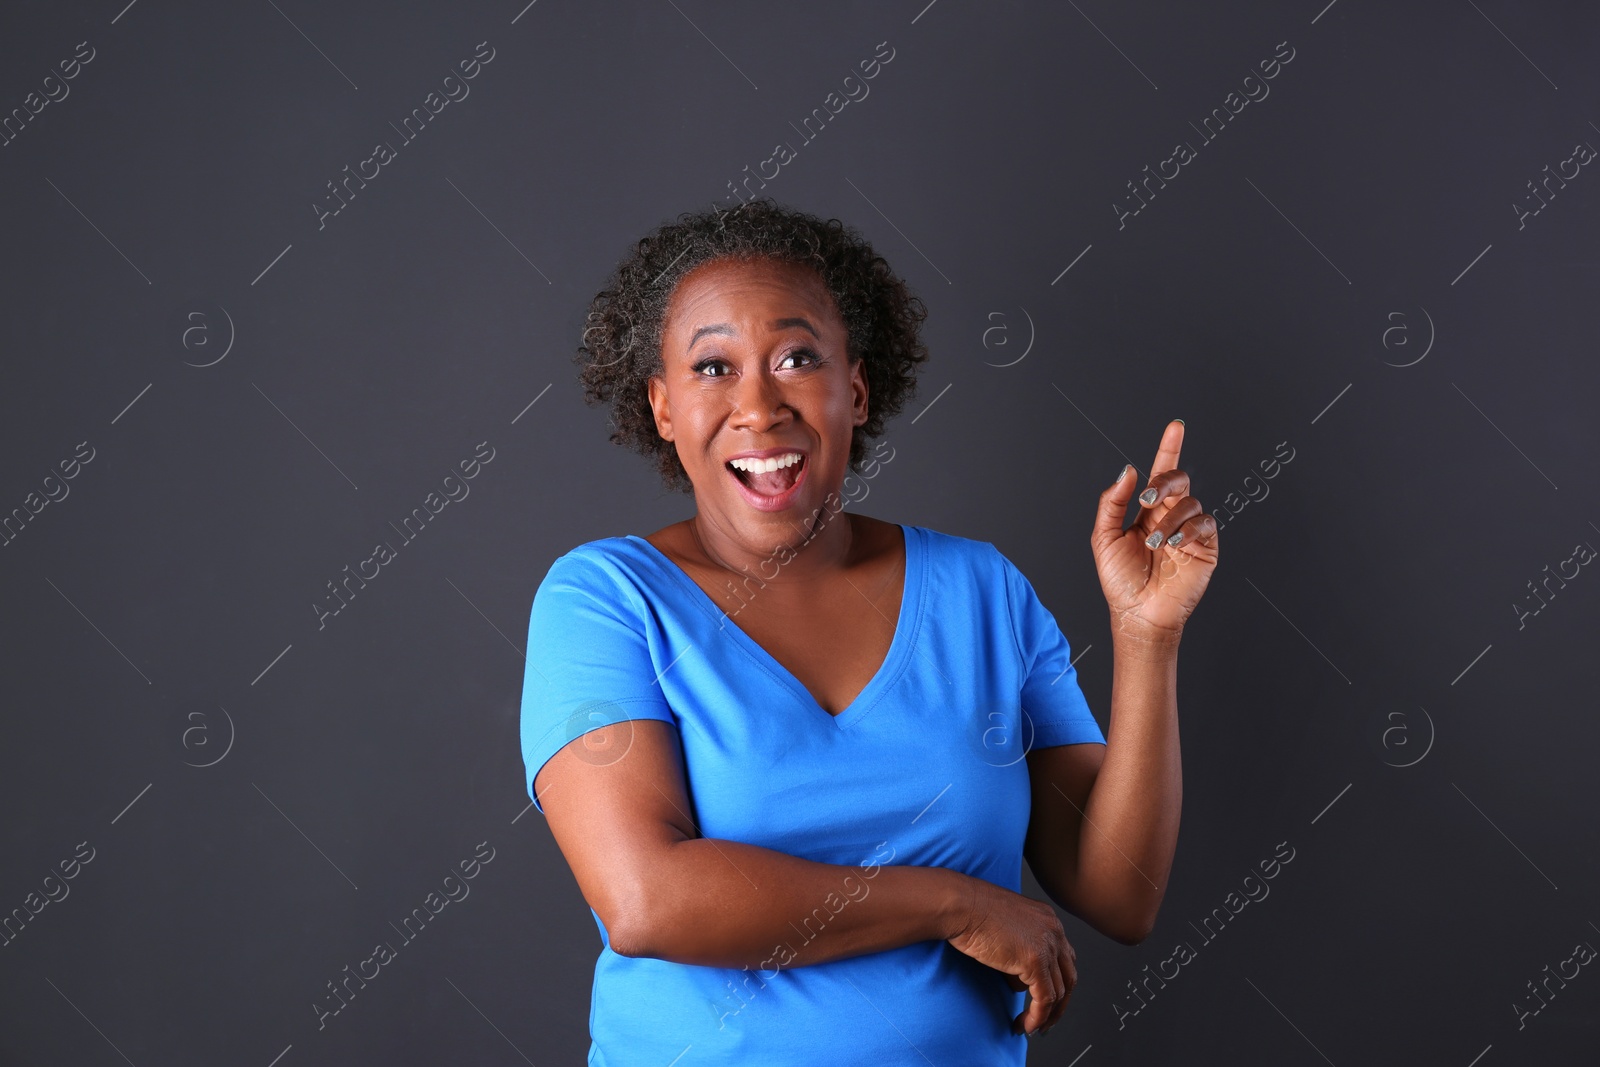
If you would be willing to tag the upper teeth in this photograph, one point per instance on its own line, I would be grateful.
(761, 466)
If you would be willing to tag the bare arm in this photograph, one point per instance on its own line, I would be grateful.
(1105, 817)
(1105, 824)
(665, 892)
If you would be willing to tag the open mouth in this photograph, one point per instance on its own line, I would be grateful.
(772, 489)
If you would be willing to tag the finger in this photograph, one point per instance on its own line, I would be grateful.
(1113, 508)
(1200, 529)
(1025, 1021)
(1017, 984)
(1069, 975)
(1045, 994)
(1182, 510)
(1052, 1011)
(1171, 445)
(1168, 485)
(1028, 1021)
(1064, 968)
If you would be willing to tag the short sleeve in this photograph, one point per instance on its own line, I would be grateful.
(1052, 701)
(588, 663)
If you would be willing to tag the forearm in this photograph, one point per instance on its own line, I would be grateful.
(723, 903)
(1131, 817)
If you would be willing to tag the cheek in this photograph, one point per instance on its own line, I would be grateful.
(836, 406)
(694, 423)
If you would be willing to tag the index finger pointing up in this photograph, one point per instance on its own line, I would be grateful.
(1171, 445)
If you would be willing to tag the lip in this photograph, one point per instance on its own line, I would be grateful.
(771, 503)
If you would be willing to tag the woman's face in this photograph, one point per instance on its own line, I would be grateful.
(754, 360)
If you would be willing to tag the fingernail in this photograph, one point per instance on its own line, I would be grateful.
(1153, 541)
(1148, 496)
(1123, 473)
(1175, 538)
(1180, 422)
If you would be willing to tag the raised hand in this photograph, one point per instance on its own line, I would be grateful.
(1153, 589)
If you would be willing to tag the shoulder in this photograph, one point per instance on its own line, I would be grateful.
(952, 551)
(608, 568)
(978, 569)
(968, 568)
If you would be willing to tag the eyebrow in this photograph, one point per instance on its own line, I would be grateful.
(726, 330)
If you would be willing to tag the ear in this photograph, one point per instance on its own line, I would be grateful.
(858, 386)
(657, 390)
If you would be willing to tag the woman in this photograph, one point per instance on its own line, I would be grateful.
(795, 755)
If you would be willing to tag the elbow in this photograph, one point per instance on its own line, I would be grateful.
(1130, 930)
(1123, 921)
(1135, 920)
(1129, 935)
(646, 913)
(641, 907)
(630, 929)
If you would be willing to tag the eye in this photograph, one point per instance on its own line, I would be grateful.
(713, 361)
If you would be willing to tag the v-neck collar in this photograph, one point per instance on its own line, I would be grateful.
(905, 631)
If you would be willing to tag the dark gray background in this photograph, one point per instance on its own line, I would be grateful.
(265, 798)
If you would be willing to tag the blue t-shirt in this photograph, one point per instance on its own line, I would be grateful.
(925, 767)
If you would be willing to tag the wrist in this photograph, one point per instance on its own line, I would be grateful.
(957, 903)
(1142, 641)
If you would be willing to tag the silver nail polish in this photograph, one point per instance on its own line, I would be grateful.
(1175, 538)
(1153, 541)
(1148, 496)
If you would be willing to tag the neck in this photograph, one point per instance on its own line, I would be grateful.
(808, 551)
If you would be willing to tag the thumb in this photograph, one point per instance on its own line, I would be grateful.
(1113, 508)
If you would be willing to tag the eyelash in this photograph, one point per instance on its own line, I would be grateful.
(711, 360)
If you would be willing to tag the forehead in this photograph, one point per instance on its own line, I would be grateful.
(749, 295)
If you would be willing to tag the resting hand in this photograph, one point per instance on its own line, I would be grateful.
(1022, 939)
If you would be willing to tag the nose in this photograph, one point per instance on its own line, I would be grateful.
(758, 402)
